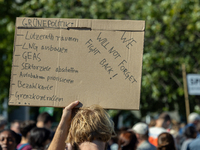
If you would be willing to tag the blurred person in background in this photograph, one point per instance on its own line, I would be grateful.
(174, 131)
(142, 134)
(112, 144)
(166, 142)
(152, 123)
(15, 126)
(162, 124)
(25, 128)
(3, 123)
(9, 139)
(127, 141)
(193, 120)
(44, 120)
(68, 146)
(195, 144)
(39, 138)
(174, 128)
(190, 134)
(198, 129)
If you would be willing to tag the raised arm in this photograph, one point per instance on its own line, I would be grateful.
(58, 142)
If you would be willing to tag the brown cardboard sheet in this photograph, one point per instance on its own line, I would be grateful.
(57, 61)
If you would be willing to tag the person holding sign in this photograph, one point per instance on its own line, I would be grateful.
(90, 128)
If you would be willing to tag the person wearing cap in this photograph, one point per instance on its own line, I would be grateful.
(193, 120)
(162, 124)
(141, 131)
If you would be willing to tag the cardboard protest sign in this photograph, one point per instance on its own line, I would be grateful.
(193, 82)
(57, 61)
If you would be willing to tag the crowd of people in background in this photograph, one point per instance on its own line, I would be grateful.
(163, 133)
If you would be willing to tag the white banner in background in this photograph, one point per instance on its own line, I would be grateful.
(193, 82)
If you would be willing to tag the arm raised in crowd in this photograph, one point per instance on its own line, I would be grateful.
(58, 142)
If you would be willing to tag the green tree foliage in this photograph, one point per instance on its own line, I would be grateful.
(172, 37)
(7, 25)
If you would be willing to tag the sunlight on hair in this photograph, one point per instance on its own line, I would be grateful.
(91, 123)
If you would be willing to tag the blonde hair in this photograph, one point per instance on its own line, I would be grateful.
(91, 123)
